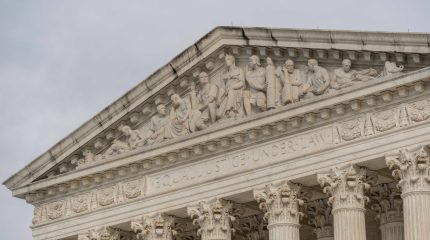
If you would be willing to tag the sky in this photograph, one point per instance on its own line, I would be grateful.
(61, 62)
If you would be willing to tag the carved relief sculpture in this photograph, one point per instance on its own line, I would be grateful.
(235, 84)
(346, 77)
(317, 77)
(391, 68)
(157, 125)
(274, 86)
(158, 227)
(254, 98)
(104, 233)
(294, 87)
(214, 218)
(205, 100)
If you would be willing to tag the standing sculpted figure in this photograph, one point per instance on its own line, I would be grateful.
(294, 87)
(235, 84)
(345, 76)
(205, 100)
(273, 85)
(157, 125)
(254, 99)
(317, 78)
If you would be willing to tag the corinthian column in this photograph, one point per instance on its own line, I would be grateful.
(281, 203)
(214, 218)
(412, 167)
(319, 215)
(388, 205)
(158, 227)
(346, 188)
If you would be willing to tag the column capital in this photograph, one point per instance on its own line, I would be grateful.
(387, 203)
(156, 227)
(214, 218)
(281, 202)
(319, 215)
(103, 233)
(411, 166)
(346, 187)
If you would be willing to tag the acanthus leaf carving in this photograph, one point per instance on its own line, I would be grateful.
(158, 227)
(346, 186)
(387, 203)
(281, 202)
(320, 217)
(214, 218)
(411, 167)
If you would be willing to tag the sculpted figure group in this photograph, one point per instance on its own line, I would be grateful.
(242, 92)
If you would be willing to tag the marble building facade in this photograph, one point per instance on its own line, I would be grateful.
(251, 134)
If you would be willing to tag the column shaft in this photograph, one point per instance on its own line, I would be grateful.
(284, 232)
(349, 224)
(416, 210)
(392, 231)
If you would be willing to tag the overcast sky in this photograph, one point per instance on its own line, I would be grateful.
(61, 62)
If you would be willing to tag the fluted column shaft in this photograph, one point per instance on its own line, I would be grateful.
(392, 231)
(416, 212)
(349, 224)
(346, 188)
(281, 204)
(412, 168)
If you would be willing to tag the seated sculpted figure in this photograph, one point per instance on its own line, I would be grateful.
(205, 100)
(133, 139)
(234, 85)
(294, 86)
(391, 68)
(345, 76)
(254, 98)
(317, 78)
(183, 119)
(157, 125)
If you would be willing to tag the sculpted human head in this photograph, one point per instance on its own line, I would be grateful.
(176, 100)
(254, 61)
(161, 109)
(229, 60)
(289, 65)
(203, 78)
(126, 130)
(346, 65)
(312, 64)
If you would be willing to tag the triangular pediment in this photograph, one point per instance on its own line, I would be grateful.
(176, 105)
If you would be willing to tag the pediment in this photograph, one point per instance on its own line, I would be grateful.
(211, 91)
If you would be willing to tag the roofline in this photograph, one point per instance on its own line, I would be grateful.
(408, 42)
